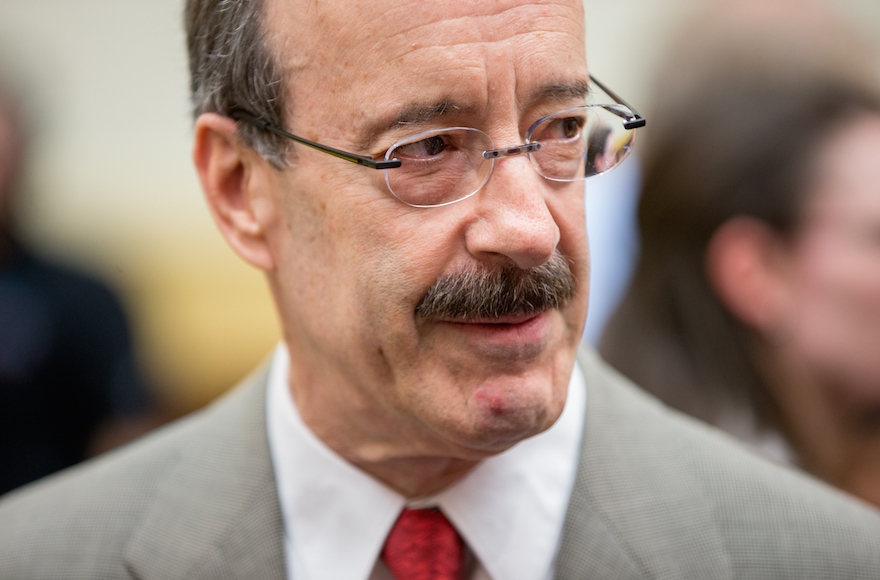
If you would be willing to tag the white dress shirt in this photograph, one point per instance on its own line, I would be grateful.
(509, 509)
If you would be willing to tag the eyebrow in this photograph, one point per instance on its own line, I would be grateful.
(578, 89)
(411, 114)
(419, 113)
(415, 114)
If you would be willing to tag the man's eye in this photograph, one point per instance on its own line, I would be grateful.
(562, 128)
(571, 126)
(429, 147)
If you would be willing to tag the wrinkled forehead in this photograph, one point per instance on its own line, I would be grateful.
(350, 24)
(372, 48)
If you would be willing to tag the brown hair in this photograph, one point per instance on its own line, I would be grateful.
(738, 140)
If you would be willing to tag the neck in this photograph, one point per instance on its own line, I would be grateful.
(397, 461)
(823, 429)
(417, 477)
(403, 457)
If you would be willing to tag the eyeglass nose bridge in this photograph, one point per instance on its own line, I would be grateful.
(511, 151)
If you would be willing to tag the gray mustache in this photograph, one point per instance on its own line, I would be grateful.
(492, 293)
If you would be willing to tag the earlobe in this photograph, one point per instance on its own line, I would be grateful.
(743, 264)
(227, 173)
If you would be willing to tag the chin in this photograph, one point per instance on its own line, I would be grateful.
(481, 406)
(504, 413)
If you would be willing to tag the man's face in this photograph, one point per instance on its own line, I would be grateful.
(353, 262)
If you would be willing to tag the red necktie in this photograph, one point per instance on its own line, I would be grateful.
(423, 545)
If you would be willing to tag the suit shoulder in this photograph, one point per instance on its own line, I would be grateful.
(96, 503)
(76, 523)
(697, 483)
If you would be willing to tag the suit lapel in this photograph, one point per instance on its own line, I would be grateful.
(216, 513)
(589, 548)
(638, 509)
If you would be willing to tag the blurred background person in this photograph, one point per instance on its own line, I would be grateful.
(755, 303)
(69, 387)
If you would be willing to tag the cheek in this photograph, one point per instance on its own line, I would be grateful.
(399, 256)
(323, 244)
(839, 318)
(567, 206)
(568, 210)
(849, 289)
(403, 264)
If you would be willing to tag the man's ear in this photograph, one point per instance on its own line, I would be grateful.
(745, 263)
(228, 172)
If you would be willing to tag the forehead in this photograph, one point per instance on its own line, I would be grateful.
(388, 53)
(849, 175)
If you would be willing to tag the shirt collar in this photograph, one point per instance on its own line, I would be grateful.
(509, 509)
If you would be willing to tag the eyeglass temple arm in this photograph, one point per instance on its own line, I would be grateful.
(242, 115)
(637, 120)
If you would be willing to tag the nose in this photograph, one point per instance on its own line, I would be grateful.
(512, 220)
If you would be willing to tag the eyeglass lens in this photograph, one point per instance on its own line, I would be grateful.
(442, 166)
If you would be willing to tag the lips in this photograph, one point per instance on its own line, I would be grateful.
(499, 321)
(514, 335)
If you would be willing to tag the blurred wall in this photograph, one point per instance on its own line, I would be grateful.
(111, 186)
(625, 38)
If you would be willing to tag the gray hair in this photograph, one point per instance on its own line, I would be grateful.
(232, 66)
(508, 290)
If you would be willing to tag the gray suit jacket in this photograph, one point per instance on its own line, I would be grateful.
(657, 496)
